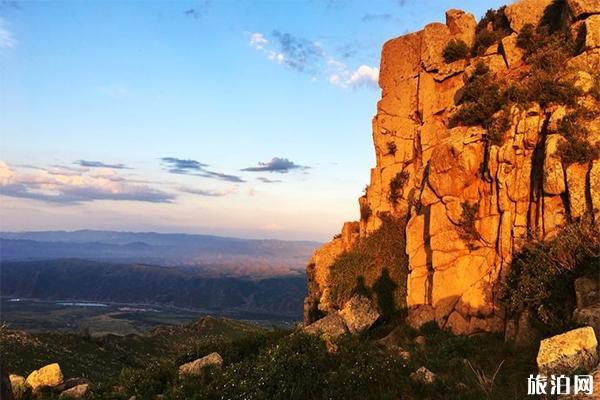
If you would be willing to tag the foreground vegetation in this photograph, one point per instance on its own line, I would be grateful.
(280, 365)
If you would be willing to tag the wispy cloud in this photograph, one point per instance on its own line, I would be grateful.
(7, 40)
(309, 57)
(199, 10)
(376, 17)
(54, 187)
(207, 192)
(280, 165)
(267, 180)
(99, 164)
(192, 167)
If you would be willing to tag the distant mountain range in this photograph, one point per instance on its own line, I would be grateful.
(212, 254)
(213, 273)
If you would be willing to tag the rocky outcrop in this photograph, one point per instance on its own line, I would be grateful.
(582, 8)
(76, 392)
(197, 367)
(357, 315)
(518, 188)
(587, 294)
(569, 352)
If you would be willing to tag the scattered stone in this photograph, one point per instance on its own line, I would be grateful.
(569, 352)
(420, 340)
(48, 376)
(423, 375)
(332, 326)
(457, 323)
(581, 8)
(76, 392)
(196, 367)
(359, 313)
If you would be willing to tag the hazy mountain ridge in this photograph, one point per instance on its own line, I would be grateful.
(218, 254)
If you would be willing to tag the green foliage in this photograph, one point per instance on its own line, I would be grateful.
(480, 99)
(542, 275)
(526, 38)
(377, 266)
(391, 148)
(492, 27)
(577, 148)
(145, 383)
(365, 211)
(466, 225)
(497, 127)
(397, 185)
(455, 50)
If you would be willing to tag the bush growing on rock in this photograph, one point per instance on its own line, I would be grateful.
(541, 277)
(365, 211)
(577, 148)
(466, 225)
(391, 148)
(455, 50)
(492, 27)
(377, 266)
(397, 185)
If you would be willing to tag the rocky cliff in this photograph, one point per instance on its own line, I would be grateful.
(475, 155)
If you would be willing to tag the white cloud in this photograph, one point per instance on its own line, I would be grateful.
(258, 40)
(54, 186)
(7, 40)
(364, 75)
(305, 56)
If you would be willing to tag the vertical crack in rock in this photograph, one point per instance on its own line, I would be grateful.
(536, 192)
(428, 253)
(588, 192)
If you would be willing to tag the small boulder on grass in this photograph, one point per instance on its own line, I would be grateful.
(423, 375)
(196, 367)
(76, 392)
(48, 376)
(332, 326)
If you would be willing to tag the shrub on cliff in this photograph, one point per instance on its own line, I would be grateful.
(397, 186)
(378, 266)
(577, 148)
(365, 211)
(455, 50)
(480, 99)
(492, 27)
(541, 277)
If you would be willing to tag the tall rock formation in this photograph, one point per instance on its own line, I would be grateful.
(443, 181)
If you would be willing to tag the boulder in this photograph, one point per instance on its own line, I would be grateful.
(76, 392)
(423, 376)
(512, 53)
(196, 367)
(457, 324)
(588, 316)
(568, 352)
(359, 313)
(462, 25)
(524, 12)
(592, 32)
(48, 376)
(582, 8)
(17, 383)
(419, 315)
(332, 326)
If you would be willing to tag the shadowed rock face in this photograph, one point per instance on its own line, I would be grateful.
(521, 187)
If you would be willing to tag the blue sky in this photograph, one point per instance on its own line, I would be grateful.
(246, 118)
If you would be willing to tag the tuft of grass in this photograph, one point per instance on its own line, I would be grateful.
(485, 383)
(391, 148)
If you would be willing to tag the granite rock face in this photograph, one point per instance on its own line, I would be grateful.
(453, 279)
(569, 352)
